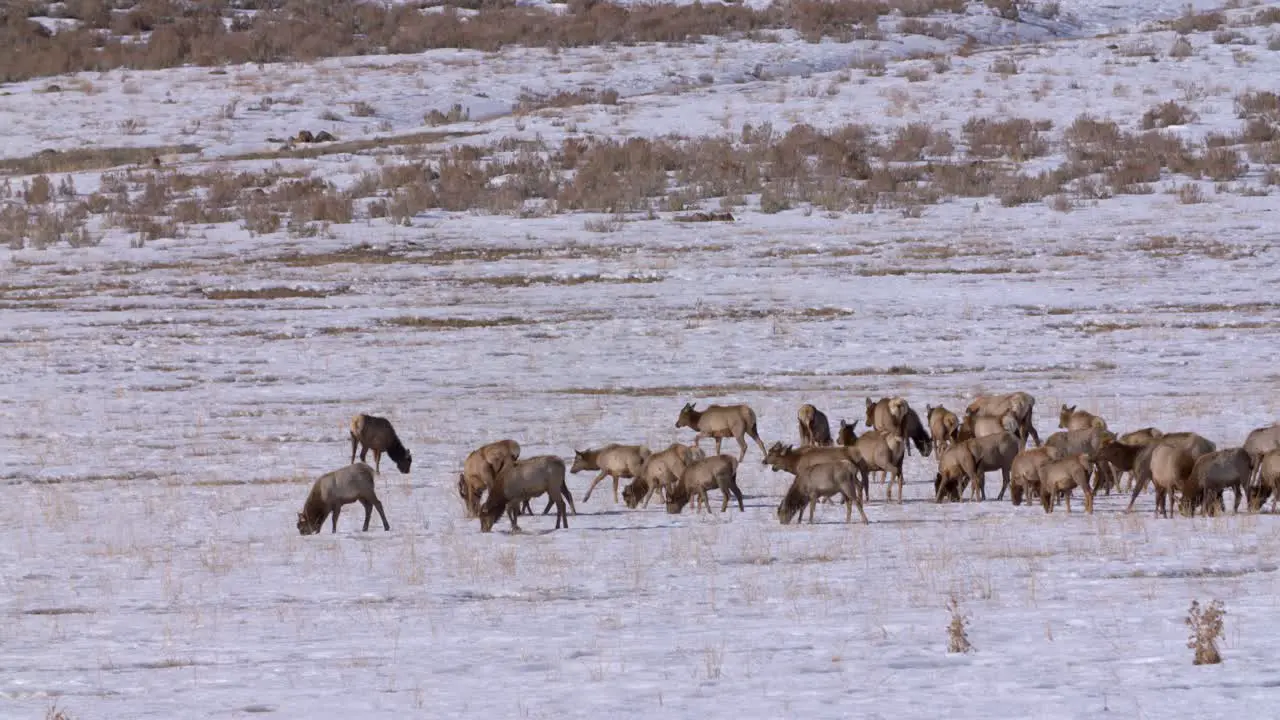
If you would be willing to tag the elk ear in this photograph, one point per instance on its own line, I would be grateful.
(869, 403)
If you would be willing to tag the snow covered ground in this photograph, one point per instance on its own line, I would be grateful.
(167, 407)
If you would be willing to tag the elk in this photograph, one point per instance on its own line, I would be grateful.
(720, 422)
(797, 460)
(822, 481)
(848, 433)
(1268, 482)
(1169, 467)
(1069, 418)
(883, 451)
(612, 460)
(1025, 472)
(716, 471)
(1020, 404)
(1120, 457)
(661, 471)
(971, 460)
(814, 428)
(1195, 445)
(480, 468)
(370, 432)
(1261, 441)
(1063, 476)
(524, 480)
(943, 425)
(335, 489)
(976, 426)
(1214, 472)
(886, 414)
(1088, 440)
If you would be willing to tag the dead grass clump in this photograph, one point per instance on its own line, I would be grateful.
(1264, 105)
(1206, 630)
(1221, 164)
(1167, 114)
(271, 293)
(815, 19)
(1190, 22)
(957, 628)
(54, 161)
(921, 8)
(528, 102)
(1018, 138)
(429, 323)
(1181, 48)
(56, 713)
(914, 26)
(912, 142)
(1007, 9)
(1189, 194)
(1004, 65)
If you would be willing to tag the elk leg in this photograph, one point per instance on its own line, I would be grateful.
(354, 443)
(377, 504)
(813, 506)
(737, 493)
(561, 514)
(742, 444)
(704, 500)
(368, 513)
(718, 441)
(615, 490)
(335, 519)
(569, 495)
(377, 461)
(592, 486)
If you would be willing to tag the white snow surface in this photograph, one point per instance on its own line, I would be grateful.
(156, 442)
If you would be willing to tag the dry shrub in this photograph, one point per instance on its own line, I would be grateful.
(1167, 114)
(39, 191)
(921, 8)
(528, 102)
(1181, 48)
(912, 142)
(1221, 164)
(957, 628)
(1190, 194)
(1265, 153)
(1206, 630)
(1190, 22)
(1018, 138)
(1004, 65)
(913, 26)
(455, 114)
(1262, 105)
(1258, 130)
(814, 19)
(1007, 9)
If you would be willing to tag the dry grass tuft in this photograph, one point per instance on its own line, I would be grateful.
(957, 633)
(1167, 114)
(53, 161)
(1206, 630)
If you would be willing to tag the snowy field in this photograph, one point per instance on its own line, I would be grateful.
(167, 407)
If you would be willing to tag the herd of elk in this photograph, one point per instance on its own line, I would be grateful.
(991, 435)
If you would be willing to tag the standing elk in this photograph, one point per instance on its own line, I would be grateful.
(1214, 472)
(943, 425)
(1069, 418)
(480, 468)
(524, 480)
(822, 481)
(976, 426)
(1169, 468)
(335, 489)
(1261, 441)
(720, 422)
(1268, 482)
(716, 471)
(612, 460)
(814, 427)
(1020, 404)
(883, 451)
(971, 460)
(886, 414)
(797, 460)
(370, 432)
(848, 433)
(1090, 441)
(1195, 445)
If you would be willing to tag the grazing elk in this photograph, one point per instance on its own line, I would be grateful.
(1020, 404)
(1064, 475)
(661, 471)
(1195, 445)
(1069, 418)
(814, 428)
(370, 432)
(797, 460)
(943, 425)
(1119, 456)
(480, 468)
(822, 481)
(720, 422)
(916, 432)
(1025, 473)
(969, 461)
(612, 460)
(716, 471)
(1089, 441)
(1214, 472)
(333, 490)
(524, 480)
(1268, 482)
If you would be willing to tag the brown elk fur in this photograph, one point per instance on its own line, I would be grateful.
(822, 481)
(720, 422)
(814, 427)
(612, 460)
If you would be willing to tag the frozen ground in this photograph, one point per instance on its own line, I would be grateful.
(166, 409)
